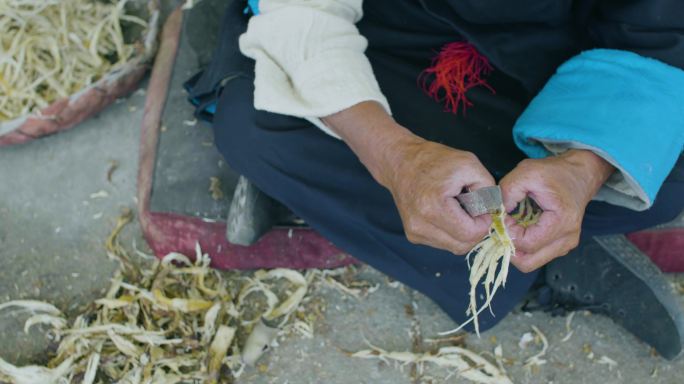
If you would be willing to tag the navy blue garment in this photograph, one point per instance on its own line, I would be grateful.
(323, 182)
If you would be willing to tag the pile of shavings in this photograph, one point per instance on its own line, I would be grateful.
(51, 49)
(176, 320)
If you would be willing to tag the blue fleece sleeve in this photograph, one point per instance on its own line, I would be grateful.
(253, 5)
(627, 108)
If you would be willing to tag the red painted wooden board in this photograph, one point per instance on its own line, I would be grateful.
(664, 246)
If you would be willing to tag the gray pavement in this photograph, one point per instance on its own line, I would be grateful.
(51, 235)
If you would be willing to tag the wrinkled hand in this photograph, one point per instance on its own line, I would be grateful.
(424, 179)
(562, 186)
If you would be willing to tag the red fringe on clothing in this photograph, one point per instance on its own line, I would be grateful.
(456, 69)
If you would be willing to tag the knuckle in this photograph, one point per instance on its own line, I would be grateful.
(526, 163)
(574, 242)
(424, 209)
(525, 245)
(413, 228)
(444, 192)
(569, 245)
(480, 233)
(559, 251)
(473, 232)
(425, 203)
(571, 236)
(524, 266)
(472, 239)
(412, 238)
(576, 220)
(466, 242)
(469, 156)
(460, 249)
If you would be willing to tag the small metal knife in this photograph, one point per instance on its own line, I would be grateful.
(482, 201)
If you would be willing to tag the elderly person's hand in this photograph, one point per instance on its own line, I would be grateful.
(562, 186)
(423, 176)
(424, 180)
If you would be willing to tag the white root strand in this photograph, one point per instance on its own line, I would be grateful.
(467, 364)
(490, 261)
(537, 359)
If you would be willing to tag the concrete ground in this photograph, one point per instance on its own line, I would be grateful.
(54, 218)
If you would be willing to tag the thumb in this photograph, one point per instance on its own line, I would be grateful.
(513, 192)
(480, 180)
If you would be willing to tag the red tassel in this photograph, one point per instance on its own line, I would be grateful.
(457, 68)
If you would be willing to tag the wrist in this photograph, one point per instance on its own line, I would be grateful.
(380, 143)
(591, 167)
(391, 154)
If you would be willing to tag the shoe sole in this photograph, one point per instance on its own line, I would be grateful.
(653, 321)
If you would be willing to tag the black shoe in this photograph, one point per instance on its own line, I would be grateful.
(610, 276)
(252, 213)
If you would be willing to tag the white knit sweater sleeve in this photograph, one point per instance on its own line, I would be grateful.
(310, 59)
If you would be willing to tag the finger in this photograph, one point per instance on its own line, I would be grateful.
(475, 174)
(471, 175)
(438, 238)
(528, 262)
(460, 225)
(535, 237)
(480, 180)
(513, 191)
(450, 216)
(482, 224)
(515, 231)
(509, 221)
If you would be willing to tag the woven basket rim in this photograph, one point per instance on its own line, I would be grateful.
(148, 40)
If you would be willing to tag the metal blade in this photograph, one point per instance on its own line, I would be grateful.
(482, 201)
